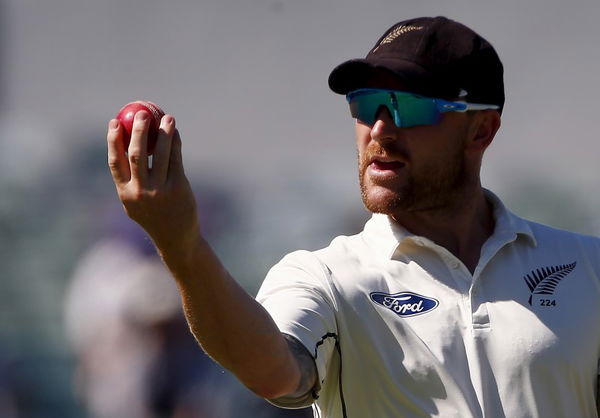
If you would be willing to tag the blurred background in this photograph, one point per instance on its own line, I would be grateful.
(90, 324)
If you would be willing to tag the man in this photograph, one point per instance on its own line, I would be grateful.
(445, 305)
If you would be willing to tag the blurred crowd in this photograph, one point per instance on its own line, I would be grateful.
(91, 323)
(135, 355)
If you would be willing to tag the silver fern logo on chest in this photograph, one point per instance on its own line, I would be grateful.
(405, 304)
(543, 281)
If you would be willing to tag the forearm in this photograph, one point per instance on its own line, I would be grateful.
(229, 324)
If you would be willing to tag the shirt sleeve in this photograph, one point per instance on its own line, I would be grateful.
(297, 294)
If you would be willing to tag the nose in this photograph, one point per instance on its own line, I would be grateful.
(384, 129)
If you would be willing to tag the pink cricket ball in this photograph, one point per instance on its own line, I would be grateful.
(127, 113)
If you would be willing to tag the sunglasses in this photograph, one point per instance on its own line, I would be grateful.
(407, 109)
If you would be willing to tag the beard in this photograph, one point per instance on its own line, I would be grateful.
(432, 186)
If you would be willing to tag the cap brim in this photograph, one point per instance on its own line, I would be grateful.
(361, 73)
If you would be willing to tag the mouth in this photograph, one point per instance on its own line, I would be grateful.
(382, 164)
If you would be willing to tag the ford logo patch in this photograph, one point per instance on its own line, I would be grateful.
(405, 304)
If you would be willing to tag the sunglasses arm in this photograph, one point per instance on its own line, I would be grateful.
(447, 106)
(477, 106)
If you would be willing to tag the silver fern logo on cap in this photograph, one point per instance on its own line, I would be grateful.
(396, 32)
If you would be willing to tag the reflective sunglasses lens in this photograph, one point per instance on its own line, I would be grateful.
(364, 106)
(415, 111)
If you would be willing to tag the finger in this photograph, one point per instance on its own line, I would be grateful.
(162, 151)
(138, 153)
(117, 160)
(176, 160)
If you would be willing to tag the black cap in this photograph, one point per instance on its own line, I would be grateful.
(431, 56)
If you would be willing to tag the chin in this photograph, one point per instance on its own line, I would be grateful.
(382, 201)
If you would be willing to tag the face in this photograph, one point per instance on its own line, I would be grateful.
(421, 168)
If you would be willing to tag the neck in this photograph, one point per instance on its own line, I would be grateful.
(462, 226)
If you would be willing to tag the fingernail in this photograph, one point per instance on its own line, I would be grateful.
(141, 115)
(168, 120)
(113, 124)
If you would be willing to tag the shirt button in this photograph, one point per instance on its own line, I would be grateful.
(454, 264)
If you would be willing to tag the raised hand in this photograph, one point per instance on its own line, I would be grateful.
(159, 198)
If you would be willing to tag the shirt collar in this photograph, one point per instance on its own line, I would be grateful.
(507, 223)
(384, 235)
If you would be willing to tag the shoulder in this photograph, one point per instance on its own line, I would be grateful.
(342, 248)
(546, 235)
(313, 269)
(543, 237)
(554, 246)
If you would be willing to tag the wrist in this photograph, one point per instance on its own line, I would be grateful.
(179, 250)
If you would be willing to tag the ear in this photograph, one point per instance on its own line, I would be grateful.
(483, 128)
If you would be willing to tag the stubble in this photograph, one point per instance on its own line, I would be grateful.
(432, 186)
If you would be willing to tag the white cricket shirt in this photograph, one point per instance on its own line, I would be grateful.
(400, 328)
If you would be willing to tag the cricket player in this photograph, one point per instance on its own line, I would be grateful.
(445, 305)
